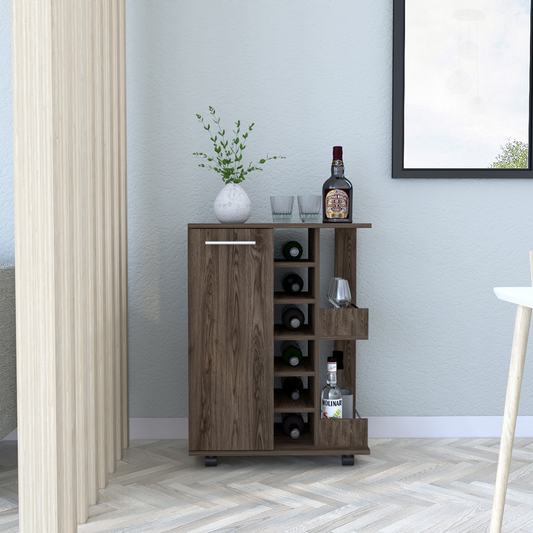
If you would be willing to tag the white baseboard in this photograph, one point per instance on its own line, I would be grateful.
(379, 427)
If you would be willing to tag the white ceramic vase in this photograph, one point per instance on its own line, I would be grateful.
(232, 205)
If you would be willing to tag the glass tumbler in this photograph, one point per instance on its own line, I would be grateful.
(309, 207)
(281, 208)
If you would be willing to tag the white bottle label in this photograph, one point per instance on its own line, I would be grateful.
(332, 367)
(294, 251)
(331, 408)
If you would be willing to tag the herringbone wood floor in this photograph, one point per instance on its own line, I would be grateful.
(405, 486)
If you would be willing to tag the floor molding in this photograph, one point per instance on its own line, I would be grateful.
(379, 427)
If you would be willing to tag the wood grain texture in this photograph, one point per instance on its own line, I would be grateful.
(405, 486)
(346, 267)
(313, 242)
(284, 404)
(123, 189)
(305, 368)
(230, 340)
(60, 192)
(345, 433)
(99, 250)
(304, 333)
(274, 225)
(114, 71)
(89, 229)
(349, 323)
(512, 400)
(110, 283)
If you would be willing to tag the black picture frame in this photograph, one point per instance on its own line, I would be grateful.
(398, 93)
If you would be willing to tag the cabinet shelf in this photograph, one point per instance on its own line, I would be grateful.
(243, 278)
(306, 333)
(305, 368)
(281, 263)
(301, 298)
(283, 442)
(284, 404)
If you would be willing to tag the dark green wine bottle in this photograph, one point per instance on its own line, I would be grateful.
(292, 355)
(292, 251)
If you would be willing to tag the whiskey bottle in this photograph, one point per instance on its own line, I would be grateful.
(331, 399)
(291, 353)
(292, 387)
(337, 192)
(293, 425)
(292, 283)
(292, 318)
(292, 251)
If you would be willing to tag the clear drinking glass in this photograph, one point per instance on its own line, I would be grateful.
(281, 208)
(309, 207)
(339, 292)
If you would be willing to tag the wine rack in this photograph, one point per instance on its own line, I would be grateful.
(345, 437)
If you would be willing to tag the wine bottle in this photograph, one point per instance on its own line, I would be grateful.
(292, 387)
(337, 192)
(292, 251)
(331, 399)
(292, 318)
(291, 353)
(293, 425)
(292, 283)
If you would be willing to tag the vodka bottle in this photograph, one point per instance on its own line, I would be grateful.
(331, 394)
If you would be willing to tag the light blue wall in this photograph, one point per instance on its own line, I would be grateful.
(311, 74)
(7, 226)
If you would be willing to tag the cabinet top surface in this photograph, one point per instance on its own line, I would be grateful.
(274, 225)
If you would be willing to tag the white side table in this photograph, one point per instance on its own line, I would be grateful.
(523, 298)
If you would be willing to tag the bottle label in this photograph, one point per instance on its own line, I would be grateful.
(293, 252)
(337, 204)
(295, 323)
(294, 361)
(337, 163)
(332, 367)
(331, 408)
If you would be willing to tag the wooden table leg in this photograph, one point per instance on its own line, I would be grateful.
(516, 370)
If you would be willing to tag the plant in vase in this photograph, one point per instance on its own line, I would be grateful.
(232, 204)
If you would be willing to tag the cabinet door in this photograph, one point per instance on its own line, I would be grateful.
(231, 366)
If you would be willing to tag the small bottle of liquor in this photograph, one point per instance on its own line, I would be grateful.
(331, 394)
(337, 192)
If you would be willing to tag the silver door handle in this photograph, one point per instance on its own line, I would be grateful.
(250, 243)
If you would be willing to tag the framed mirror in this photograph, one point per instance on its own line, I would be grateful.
(462, 89)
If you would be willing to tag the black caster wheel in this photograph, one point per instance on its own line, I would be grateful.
(211, 460)
(347, 460)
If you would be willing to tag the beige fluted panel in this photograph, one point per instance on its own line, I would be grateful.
(89, 252)
(78, 240)
(123, 223)
(71, 254)
(43, 119)
(109, 244)
(115, 210)
(99, 249)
